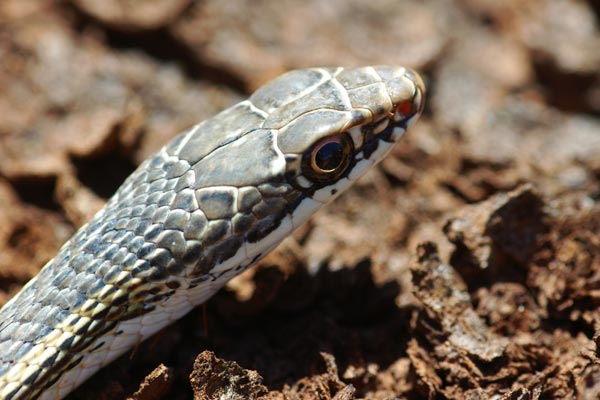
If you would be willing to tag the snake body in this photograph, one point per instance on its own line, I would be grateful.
(205, 207)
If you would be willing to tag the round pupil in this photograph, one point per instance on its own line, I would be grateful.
(329, 156)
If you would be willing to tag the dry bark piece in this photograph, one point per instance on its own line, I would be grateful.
(79, 202)
(519, 223)
(133, 15)
(156, 385)
(566, 31)
(477, 73)
(429, 382)
(346, 393)
(324, 386)
(214, 378)
(523, 394)
(587, 383)
(514, 223)
(256, 43)
(463, 358)
(29, 236)
(509, 308)
(562, 39)
(567, 279)
(447, 301)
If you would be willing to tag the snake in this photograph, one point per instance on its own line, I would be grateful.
(205, 207)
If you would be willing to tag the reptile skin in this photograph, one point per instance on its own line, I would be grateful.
(205, 207)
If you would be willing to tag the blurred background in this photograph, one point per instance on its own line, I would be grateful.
(501, 173)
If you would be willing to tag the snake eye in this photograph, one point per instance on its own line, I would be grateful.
(328, 158)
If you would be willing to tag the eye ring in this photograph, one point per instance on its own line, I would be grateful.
(328, 158)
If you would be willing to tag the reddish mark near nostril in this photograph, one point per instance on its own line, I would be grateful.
(405, 108)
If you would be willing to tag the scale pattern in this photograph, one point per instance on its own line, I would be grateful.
(201, 210)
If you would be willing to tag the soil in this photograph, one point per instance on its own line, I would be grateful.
(465, 266)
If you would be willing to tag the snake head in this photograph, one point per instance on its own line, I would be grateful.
(336, 123)
(262, 167)
(329, 126)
